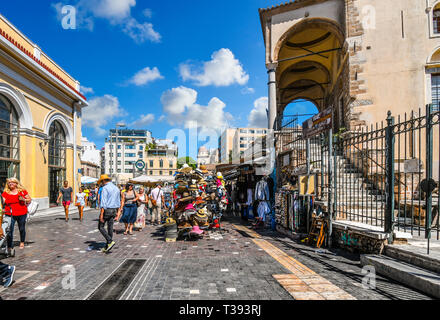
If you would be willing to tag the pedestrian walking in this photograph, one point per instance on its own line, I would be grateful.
(6, 271)
(141, 209)
(157, 200)
(67, 194)
(98, 200)
(128, 203)
(110, 210)
(80, 202)
(87, 197)
(16, 198)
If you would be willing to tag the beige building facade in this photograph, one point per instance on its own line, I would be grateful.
(40, 116)
(359, 57)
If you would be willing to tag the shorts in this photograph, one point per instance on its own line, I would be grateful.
(66, 203)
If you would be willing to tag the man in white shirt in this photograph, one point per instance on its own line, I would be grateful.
(156, 195)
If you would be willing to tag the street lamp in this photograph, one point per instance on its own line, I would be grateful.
(118, 125)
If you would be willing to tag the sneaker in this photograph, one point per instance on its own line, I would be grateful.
(10, 278)
(110, 246)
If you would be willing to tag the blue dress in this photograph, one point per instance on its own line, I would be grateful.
(129, 214)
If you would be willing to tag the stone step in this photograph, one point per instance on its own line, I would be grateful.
(55, 211)
(414, 256)
(413, 276)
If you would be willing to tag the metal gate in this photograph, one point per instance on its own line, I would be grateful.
(385, 175)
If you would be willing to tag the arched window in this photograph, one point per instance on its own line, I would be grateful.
(9, 141)
(57, 145)
(57, 159)
(436, 19)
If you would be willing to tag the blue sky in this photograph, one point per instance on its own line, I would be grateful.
(157, 65)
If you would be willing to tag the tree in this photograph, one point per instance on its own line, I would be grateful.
(188, 160)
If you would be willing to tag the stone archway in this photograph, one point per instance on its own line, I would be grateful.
(65, 123)
(20, 105)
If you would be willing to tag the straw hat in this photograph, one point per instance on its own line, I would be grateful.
(203, 168)
(186, 168)
(104, 177)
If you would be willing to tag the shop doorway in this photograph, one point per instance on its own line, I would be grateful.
(57, 160)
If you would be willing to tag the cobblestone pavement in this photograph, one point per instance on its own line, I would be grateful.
(227, 265)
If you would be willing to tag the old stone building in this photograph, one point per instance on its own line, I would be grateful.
(360, 57)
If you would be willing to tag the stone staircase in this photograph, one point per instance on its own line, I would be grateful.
(409, 265)
(358, 198)
(54, 211)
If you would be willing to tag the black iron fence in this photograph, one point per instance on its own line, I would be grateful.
(386, 175)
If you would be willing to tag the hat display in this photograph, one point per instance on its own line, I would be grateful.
(203, 168)
(196, 230)
(219, 175)
(186, 168)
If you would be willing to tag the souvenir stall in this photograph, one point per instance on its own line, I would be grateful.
(250, 192)
(295, 196)
(199, 200)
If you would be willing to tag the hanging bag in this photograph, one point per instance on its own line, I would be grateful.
(154, 201)
(32, 207)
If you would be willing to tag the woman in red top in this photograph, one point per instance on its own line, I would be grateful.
(15, 199)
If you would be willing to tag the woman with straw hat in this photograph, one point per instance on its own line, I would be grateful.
(16, 199)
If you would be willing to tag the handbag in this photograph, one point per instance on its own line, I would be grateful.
(33, 207)
(154, 201)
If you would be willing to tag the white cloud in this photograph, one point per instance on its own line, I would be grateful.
(247, 90)
(180, 107)
(162, 118)
(222, 70)
(141, 32)
(258, 116)
(146, 75)
(117, 12)
(100, 112)
(86, 90)
(148, 13)
(143, 121)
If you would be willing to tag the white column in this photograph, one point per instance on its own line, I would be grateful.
(271, 70)
(75, 166)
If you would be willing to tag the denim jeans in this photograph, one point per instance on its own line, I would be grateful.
(21, 220)
(109, 216)
(5, 226)
(4, 271)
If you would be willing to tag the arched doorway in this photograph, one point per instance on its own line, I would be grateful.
(9, 141)
(57, 159)
(311, 67)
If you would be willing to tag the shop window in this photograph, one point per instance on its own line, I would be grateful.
(9, 141)
(160, 173)
(57, 159)
(171, 173)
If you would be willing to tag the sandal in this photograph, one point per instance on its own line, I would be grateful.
(125, 233)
